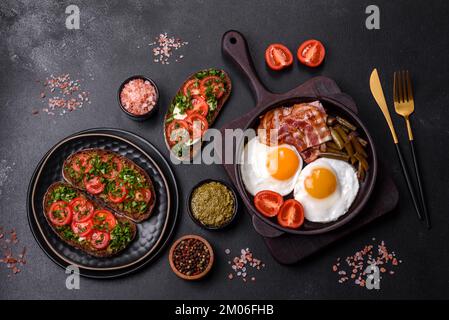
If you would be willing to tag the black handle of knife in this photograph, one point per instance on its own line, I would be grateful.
(420, 188)
(407, 179)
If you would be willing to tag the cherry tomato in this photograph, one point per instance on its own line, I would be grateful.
(94, 185)
(100, 239)
(291, 214)
(60, 213)
(192, 88)
(214, 84)
(143, 194)
(82, 209)
(198, 125)
(116, 167)
(278, 56)
(177, 131)
(268, 202)
(104, 220)
(311, 53)
(118, 194)
(200, 106)
(81, 163)
(82, 229)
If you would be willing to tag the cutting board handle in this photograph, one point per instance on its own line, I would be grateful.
(234, 46)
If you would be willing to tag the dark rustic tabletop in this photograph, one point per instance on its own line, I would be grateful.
(112, 43)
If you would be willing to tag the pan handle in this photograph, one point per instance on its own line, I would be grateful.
(234, 45)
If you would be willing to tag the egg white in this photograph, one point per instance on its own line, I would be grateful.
(337, 204)
(254, 171)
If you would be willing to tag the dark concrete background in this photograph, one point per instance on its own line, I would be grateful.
(413, 35)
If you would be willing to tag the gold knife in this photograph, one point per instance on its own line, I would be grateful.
(378, 94)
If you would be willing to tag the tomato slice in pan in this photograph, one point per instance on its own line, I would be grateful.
(104, 220)
(199, 105)
(100, 239)
(60, 213)
(94, 185)
(81, 163)
(177, 131)
(83, 229)
(311, 53)
(143, 194)
(291, 214)
(82, 209)
(192, 88)
(212, 84)
(278, 56)
(268, 202)
(118, 193)
(116, 167)
(198, 125)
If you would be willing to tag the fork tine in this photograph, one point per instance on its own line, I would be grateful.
(400, 96)
(395, 88)
(404, 86)
(409, 86)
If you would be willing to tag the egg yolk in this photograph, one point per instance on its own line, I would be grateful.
(282, 163)
(321, 183)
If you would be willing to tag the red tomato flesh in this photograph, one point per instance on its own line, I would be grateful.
(60, 213)
(311, 53)
(104, 220)
(291, 214)
(82, 209)
(94, 185)
(278, 56)
(268, 202)
(81, 163)
(82, 229)
(119, 193)
(215, 84)
(99, 239)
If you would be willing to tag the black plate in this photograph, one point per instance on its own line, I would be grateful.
(152, 234)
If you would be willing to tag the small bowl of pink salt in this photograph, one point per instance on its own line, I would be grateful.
(138, 97)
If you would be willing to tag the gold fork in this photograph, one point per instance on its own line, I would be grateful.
(404, 105)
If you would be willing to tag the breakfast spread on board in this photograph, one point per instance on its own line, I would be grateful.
(303, 164)
(194, 110)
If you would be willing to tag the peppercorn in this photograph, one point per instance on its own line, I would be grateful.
(191, 257)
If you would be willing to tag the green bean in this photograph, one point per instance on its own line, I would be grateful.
(331, 144)
(361, 172)
(337, 139)
(342, 133)
(358, 147)
(332, 155)
(346, 124)
(362, 160)
(362, 141)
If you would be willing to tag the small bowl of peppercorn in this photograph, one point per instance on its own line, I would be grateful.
(191, 257)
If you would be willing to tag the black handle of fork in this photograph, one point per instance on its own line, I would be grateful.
(409, 183)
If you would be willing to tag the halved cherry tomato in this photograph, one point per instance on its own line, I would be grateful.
(199, 105)
(100, 239)
(291, 214)
(278, 56)
(198, 125)
(94, 185)
(82, 209)
(311, 53)
(116, 167)
(215, 84)
(192, 88)
(81, 163)
(104, 220)
(177, 131)
(143, 194)
(60, 213)
(118, 194)
(268, 202)
(83, 229)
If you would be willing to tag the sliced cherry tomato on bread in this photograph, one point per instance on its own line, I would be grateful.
(60, 213)
(82, 209)
(100, 239)
(213, 85)
(177, 131)
(199, 105)
(192, 88)
(94, 185)
(104, 220)
(278, 56)
(268, 202)
(82, 229)
(291, 214)
(118, 193)
(143, 194)
(116, 166)
(81, 163)
(311, 53)
(198, 125)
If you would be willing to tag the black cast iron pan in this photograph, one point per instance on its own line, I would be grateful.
(324, 89)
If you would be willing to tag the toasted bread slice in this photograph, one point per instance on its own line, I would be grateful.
(136, 210)
(121, 236)
(211, 117)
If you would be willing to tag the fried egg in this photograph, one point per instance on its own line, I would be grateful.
(274, 168)
(326, 188)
